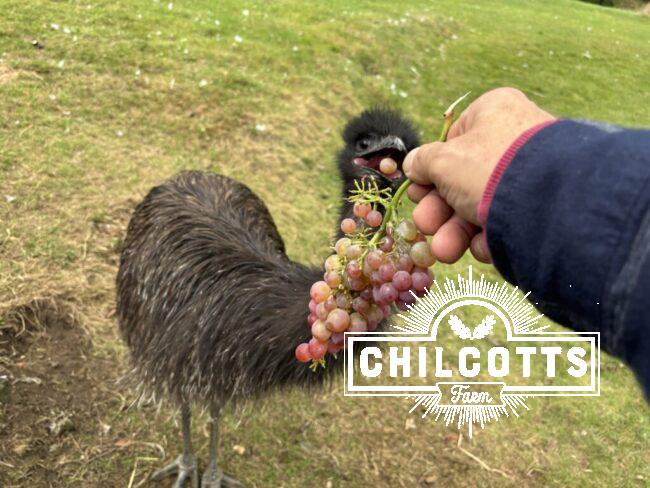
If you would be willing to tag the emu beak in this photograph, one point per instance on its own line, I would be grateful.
(384, 144)
(368, 163)
(390, 142)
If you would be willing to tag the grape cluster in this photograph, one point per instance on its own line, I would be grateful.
(377, 264)
(381, 262)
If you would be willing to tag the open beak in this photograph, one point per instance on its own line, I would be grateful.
(387, 147)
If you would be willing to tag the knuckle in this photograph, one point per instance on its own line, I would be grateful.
(509, 92)
(429, 152)
(503, 97)
(425, 157)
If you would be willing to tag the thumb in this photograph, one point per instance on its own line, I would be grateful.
(420, 164)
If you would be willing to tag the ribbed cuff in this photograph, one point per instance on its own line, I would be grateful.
(504, 162)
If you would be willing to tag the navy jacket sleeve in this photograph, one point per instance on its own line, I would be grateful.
(569, 220)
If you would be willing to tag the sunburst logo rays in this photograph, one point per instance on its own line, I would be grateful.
(429, 312)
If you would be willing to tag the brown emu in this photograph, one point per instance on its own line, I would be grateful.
(198, 296)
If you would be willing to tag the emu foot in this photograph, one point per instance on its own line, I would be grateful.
(214, 477)
(183, 467)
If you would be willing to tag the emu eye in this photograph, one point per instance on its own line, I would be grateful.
(363, 144)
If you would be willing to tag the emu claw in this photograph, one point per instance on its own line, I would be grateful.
(230, 482)
(184, 467)
(214, 477)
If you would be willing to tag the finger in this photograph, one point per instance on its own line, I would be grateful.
(417, 192)
(417, 163)
(452, 239)
(480, 249)
(431, 213)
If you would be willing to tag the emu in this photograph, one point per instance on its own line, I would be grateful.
(208, 303)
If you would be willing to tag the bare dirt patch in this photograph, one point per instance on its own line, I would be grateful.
(52, 391)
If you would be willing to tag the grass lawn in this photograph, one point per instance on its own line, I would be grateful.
(117, 96)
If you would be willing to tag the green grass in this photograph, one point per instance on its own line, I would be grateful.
(135, 92)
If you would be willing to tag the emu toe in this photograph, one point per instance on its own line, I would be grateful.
(214, 477)
(184, 467)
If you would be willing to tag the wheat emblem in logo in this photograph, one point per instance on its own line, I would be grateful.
(481, 331)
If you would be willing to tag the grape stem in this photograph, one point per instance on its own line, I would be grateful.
(392, 206)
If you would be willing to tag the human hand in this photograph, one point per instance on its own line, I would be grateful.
(450, 177)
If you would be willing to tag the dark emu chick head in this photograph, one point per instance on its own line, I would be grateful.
(374, 135)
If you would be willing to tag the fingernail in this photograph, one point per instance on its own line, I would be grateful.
(408, 161)
(481, 244)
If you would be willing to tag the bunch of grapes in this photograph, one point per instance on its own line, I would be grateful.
(381, 262)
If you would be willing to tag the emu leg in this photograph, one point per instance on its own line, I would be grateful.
(214, 477)
(184, 466)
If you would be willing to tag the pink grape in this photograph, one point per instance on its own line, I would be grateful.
(357, 323)
(319, 291)
(302, 353)
(407, 230)
(332, 263)
(402, 280)
(357, 284)
(360, 305)
(387, 270)
(385, 310)
(330, 304)
(311, 318)
(366, 294)
(376, 296)
(374, 218)
(405, 296)
(333, 279)
(317, 349)
(405, 263)
(421, 254)
(321, 311)
(337, 338)
(361, 209)
(386, 244)
(348, 226)
(354, 251)
(341, 246)
(312, 306)
(374, 315)
(388, 166)
(334, 348)
(388, 293)
(353, 269)
(421, 280)
(375, 279)
(375, 259)
(320, 331)
(338, 320)
(343, 301)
